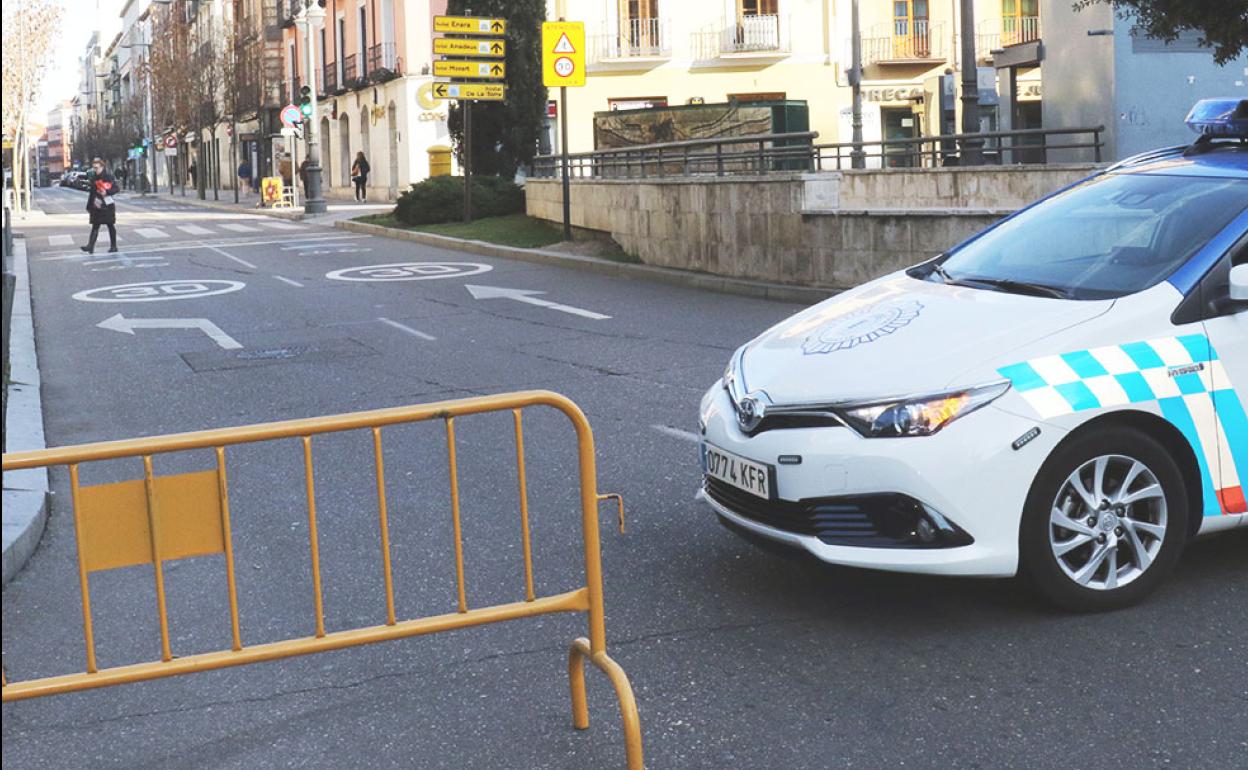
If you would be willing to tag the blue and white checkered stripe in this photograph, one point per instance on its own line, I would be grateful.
(1182, 375)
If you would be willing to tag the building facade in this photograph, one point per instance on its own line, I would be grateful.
(660, 52)
(371, 67)
(60, 151)
(1101, 71)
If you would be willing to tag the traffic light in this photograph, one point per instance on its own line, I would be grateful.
(305, 101)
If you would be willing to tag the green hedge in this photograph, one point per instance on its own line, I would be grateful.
(441, 199)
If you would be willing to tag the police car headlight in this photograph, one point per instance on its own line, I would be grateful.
(921, 415)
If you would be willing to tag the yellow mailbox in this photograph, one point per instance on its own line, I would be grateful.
(439, 160)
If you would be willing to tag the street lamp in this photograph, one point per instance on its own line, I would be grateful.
(308, 20)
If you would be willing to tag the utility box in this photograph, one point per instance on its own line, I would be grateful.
(439, 160)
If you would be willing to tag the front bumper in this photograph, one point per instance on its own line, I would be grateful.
(968, 473)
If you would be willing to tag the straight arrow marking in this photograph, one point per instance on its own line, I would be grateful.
(526, 296)
(120, 323)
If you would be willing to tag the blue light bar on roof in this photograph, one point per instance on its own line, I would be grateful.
(1219, 117)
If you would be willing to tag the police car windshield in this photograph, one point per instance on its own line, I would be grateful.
(1109, 237)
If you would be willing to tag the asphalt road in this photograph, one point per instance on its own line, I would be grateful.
(739, 658)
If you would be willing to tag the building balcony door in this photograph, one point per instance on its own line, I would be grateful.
(639, 27)
(911, 30)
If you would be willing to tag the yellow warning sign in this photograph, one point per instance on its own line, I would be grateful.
(563, 53)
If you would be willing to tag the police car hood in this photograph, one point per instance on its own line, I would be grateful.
(900, 336)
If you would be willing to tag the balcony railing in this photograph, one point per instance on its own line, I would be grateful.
(383, 64)
(351, 75)
(992, 34)
(636, 39)
(904, 41)
(329, 79)
(755, 34)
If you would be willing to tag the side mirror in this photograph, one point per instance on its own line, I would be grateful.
(1239, 283)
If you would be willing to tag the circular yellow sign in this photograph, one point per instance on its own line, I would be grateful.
(424, 96)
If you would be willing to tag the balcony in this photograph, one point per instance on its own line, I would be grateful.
(329, 80)
(383, 64)
(352, 77)
(748, 36)
(995, 34)
(904, 42)
(636, 39)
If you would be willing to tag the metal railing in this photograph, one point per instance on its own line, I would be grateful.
(161, 518)
(636, 38)
(761, 34)
(996, 147)
(329, 81)
(757, 154)
(904, 41)
(351, 75)
(383, 64)
(993, 34)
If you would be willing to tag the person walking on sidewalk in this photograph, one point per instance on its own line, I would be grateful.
(244, 177)
(100, 206)
(303, 176)
(359, 175)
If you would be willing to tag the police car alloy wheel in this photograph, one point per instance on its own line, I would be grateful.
(1105, 521)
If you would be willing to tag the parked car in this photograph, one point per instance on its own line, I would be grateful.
(67, 179)
(1061, 396)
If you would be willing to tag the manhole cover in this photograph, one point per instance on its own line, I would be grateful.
(308, 352)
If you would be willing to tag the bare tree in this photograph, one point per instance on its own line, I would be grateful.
(30, 28)
(171, 73)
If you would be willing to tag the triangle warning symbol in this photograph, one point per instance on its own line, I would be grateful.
(564, 45)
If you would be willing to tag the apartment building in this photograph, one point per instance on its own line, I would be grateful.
(372, 61)
(60, 156)
(661, 52)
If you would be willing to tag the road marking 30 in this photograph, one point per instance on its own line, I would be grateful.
(159, 291)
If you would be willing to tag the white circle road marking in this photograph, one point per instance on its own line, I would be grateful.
(409, 271)
(159, 291)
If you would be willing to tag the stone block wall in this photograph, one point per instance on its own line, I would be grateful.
(834, 229)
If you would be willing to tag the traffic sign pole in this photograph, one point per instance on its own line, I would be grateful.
(563, 147)
(467, 105)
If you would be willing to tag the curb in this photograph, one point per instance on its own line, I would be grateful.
(192, 201)
(773, 291)
(25, 492)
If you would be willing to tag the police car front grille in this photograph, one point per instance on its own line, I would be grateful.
(871, 521)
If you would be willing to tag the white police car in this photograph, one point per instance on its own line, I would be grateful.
(1062, 395)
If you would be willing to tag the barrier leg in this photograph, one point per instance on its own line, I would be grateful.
(623, 693)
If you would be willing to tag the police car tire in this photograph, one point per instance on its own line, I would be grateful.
(1039, 565)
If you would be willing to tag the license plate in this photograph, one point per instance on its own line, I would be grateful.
(738, 472)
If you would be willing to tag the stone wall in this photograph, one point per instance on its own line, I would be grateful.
(833, 229)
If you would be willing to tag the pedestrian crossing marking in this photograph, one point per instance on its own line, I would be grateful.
(60, 240)
(194, 230)
(151, 232)
(238, 228)
(280, 225)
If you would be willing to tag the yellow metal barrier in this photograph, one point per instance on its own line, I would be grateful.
(159, 518)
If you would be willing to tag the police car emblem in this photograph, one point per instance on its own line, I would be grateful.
(861, 327)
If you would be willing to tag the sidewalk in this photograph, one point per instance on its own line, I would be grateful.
(338, 209)
(25, 495)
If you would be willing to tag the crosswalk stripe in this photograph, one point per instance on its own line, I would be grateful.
(194, 230)
(238, 228)
(151, 232)
(60, 240)
(276, 225)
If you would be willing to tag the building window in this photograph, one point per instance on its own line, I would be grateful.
(1020, 21)
(758, 7)
(911, 30)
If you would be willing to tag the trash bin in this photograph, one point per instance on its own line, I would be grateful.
(439, 160)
